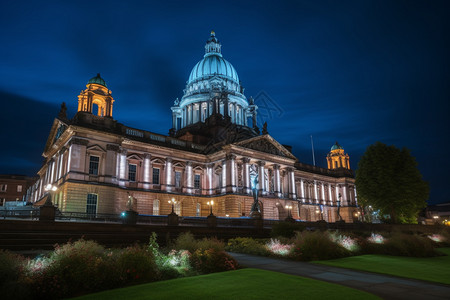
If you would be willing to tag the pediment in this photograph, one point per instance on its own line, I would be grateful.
(58, 128)
(95, 148)
(134, 156)
(266, 144)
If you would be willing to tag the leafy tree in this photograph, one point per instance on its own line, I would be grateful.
(388, 179)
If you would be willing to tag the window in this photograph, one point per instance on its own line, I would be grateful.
(156, 207)
(19, 188)
(198, 210)
(196, 181)
(178, 208)
(3, 187)
(93, 165)
(177, 179)
(132, 172)
(91, 205)
(155, 176)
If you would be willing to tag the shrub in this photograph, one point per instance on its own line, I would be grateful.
(247, 245)
(409, 245)
(212, 260)
(316, 246)
(348, 242)
(71, 268)
(135, 265)
(286, 229)
(278, 248)
(12, 274)
(186, 241)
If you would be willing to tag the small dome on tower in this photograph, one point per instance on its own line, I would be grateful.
(336, 146)
(97, 80)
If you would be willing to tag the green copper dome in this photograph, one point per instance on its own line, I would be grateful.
(98, 80)
(337, 146)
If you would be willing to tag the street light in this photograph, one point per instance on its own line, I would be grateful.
(49, 188)
(289, 208)
(211, 203)
(173, 202)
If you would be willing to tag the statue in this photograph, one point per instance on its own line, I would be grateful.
(63, 111)
(264, 129)
(255, 211)
(176, 102)
(130, 202)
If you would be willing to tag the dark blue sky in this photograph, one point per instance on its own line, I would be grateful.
(356, 72)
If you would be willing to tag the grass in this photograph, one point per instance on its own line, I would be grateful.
(240, 284)
(435, 269)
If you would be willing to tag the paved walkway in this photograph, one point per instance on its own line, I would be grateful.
(384, 286)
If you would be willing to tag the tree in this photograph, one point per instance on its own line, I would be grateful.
(388, 179)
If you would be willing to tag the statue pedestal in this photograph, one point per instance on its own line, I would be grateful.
(47, 212)
(290, 220)
(172, 219)
(257, 219)
(129, 217)
(212, 220)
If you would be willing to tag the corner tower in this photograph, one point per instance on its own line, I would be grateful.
(96, 99)
(336, 158)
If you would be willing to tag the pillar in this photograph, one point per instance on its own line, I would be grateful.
(189, 178)
(169, 185)
(231, 173)
(146, 177)
(261, 177)
(246, 169)
(277, 190)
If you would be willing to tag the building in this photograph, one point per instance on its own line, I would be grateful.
(213, 151)
(15, 187)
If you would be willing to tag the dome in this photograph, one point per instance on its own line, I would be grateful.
(336, 147)
(97, 80)
(213, 64)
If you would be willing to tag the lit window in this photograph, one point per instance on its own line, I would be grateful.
(156, 207)
(93, 165)
(177, 208)
(132, 172)
(155, 176)
(198, 210)
(196, 181)
(19, 188)
(91, 204)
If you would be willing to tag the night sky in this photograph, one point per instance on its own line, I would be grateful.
(355, 72)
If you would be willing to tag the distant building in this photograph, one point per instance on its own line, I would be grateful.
(15, 187)
(436, 214)
(214, 151)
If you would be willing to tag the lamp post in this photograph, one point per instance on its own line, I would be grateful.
(210, 203)
(50, 189)
(47, 211)
(173, 202)
(289, 208)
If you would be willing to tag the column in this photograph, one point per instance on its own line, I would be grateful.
(231, 173)
(323, 194)
(316, 197)
(110, 163)
(169, 184)
(189, 178)
(209, 173)
(146, 176)
(356, 196)
(247, 183)
(123, 167)
(291, 182)
(276, 171)
(302, 187)
(224, 176)
(330, 194)
(261, 177)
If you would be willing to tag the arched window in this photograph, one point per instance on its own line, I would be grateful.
(178, 208)
(198, 211)
(156, 207)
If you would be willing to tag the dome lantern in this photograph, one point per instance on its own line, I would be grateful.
(213, 45)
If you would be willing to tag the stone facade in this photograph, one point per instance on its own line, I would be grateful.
(97, 162)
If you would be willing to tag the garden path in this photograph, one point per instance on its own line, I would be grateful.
(384, 286)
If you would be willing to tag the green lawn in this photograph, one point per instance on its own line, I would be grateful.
(240, 284)
(435, 269)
